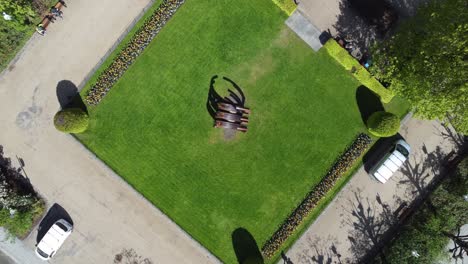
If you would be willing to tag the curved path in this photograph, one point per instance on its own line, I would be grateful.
(107, 213)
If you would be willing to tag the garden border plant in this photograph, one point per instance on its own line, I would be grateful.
(133, 49)
(341, 166)
(288, 6)
(357, 70)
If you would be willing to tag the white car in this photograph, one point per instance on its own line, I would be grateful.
(391, 162)
(53, 239)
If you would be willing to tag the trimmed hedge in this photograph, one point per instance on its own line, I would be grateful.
(71, 120)
(288, 6)
(383, 124)
(359, 72)
(341, 166)
(135, 47)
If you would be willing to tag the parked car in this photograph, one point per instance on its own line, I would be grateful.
(391, 161)
(53, 239)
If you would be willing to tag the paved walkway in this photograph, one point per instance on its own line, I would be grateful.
(108, 215)
(305, 30)
(341, 232)
(16, 251)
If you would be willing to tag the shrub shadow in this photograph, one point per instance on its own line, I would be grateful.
(68, 96)
(56, 212)
(246, 247)
(378, 150)
(368, 102)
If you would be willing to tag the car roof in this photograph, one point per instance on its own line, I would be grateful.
(53, 239)
(391, 164)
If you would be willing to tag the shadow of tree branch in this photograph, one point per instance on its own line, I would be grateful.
(369, 222)
(321, 251)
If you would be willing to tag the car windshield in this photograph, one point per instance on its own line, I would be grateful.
(402, 150)
(62, 226)
(42, 253)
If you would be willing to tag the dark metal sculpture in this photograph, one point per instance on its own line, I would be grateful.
(228, 112)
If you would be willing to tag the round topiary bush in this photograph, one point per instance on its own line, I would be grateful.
(71, 120)
(383, 124)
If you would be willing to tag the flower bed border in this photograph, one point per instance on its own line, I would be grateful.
(132, 50)
(342, 165)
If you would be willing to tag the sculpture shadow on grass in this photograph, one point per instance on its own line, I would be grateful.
(368, 102)
(236, 96)
(68, 96)
(55, 213)
(245, 247)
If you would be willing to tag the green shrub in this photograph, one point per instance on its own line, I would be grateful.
(71, 120)
(357, 70)
(383, 124)
(288, 6)
(20, 223)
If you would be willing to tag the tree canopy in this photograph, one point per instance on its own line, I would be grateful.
(426, 62)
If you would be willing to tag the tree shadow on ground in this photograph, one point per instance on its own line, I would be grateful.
(361, 22)
(378, 150)
(321, 251)
(354, 29)
(55, 213)
(368, 103)
(419, 171)
(68, 96)
(416, 175)
(458, 140)
(369, 222)
(286, 259)
(406, 8)
(374, 225)
(246, 247)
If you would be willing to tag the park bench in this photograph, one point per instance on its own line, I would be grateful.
(42, 27)
(55, 11)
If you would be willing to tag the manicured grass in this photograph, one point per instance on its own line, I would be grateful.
(154, 130)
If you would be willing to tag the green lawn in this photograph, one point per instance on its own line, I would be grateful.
(154, 130)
